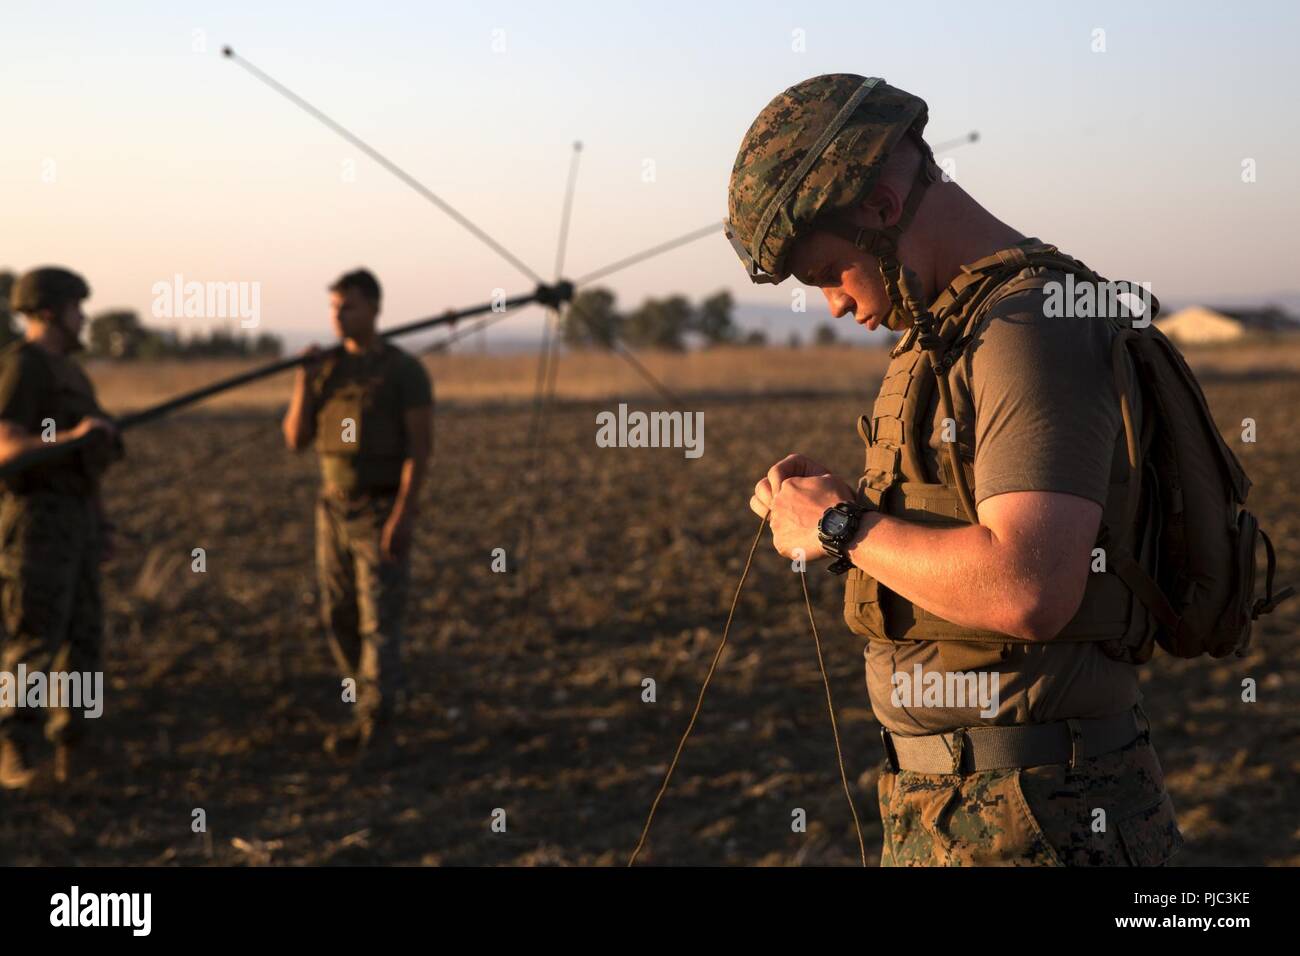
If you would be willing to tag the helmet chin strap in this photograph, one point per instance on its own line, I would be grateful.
(904, 289)
(901, 283)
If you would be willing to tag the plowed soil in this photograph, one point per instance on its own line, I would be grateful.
(220, 687)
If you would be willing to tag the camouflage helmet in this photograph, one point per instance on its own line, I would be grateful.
(817, 148)
(48, 287)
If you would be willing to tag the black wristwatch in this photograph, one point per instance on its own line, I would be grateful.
(836, 529)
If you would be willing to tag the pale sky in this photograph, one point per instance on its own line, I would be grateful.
(134, 151)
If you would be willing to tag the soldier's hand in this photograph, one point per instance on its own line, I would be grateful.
(791, 466)
(797, 506)
(396, 538)
(93, 423)
(312, 356)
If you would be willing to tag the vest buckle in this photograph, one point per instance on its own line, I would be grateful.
(891, 755)
(1076, 740)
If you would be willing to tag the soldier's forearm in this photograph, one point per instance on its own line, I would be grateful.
(14, 446)
(413, 472)
(408, 491)
(17, 446)
(300, 418)
(419, 444)
(965, 574)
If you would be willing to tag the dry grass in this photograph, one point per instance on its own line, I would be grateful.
(595, 375)
(474, 379)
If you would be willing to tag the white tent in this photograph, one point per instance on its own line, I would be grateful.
(1199, 325)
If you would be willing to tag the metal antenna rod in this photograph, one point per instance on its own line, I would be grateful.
(384, 161)
(568, 209)
(443, 344)
(648, 253)
(548, 361)
(972, 137)
(50, 453)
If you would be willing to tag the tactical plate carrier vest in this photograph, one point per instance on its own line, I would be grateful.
(899, 482)
(66, 396)
(361, 407)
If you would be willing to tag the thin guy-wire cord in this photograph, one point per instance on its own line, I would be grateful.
(384, 161)
(627, 355)
(830, 709)
(699, 703)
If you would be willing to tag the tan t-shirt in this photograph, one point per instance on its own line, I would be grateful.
(1040, 391)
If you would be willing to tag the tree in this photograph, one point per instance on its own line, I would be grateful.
(659, 323)
(8, 331)
(591, 320)
(825, 334)
(713, 319)
(158, 345)
(267, 345)
(117, 334)
(794, 341)
(756, 338)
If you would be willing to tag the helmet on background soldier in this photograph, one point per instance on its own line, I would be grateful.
(46, 293)
(47, 288)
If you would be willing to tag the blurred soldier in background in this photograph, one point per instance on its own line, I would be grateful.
(368, 406)
(53, 534)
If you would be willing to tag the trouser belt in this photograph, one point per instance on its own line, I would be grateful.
(972, 749)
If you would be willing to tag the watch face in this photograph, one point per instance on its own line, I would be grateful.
(835, 523)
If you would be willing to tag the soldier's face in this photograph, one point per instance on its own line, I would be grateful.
(848, 277)
(353, 316)
(69, 320)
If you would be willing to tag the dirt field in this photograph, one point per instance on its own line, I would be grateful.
(220, 687)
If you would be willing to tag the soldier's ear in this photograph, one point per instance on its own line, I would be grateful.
(882, 208)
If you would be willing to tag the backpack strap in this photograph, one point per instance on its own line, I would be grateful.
(1142, 585)
(1124, 386)
(1269, 602)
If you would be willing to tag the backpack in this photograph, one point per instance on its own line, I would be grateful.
(1201, 593)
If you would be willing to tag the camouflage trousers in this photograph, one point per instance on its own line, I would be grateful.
(363, 599)
(49, 603)
(1111, 810)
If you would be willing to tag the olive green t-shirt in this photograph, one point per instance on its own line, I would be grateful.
(1040, 391)
(361, 402)
(36, 388)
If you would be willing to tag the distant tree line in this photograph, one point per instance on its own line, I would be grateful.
(594, 319)
(118, 334)
(8, 329)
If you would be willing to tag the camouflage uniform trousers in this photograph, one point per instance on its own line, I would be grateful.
(50, 603)
(363, 599)
(1033, 816)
